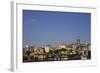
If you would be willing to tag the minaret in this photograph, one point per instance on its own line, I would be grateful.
(78, 45)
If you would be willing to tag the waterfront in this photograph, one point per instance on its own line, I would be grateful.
(61, 52)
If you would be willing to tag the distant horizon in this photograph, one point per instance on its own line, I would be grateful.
(67, 43)
(52, 27)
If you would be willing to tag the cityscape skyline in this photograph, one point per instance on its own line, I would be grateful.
(51, 27)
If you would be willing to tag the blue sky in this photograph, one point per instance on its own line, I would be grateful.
(50, 27)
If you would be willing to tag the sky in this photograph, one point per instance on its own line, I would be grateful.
(51, 27)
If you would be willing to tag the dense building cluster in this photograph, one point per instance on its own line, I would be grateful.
(61, 52)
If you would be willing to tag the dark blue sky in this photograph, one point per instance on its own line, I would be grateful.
(49, 27)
